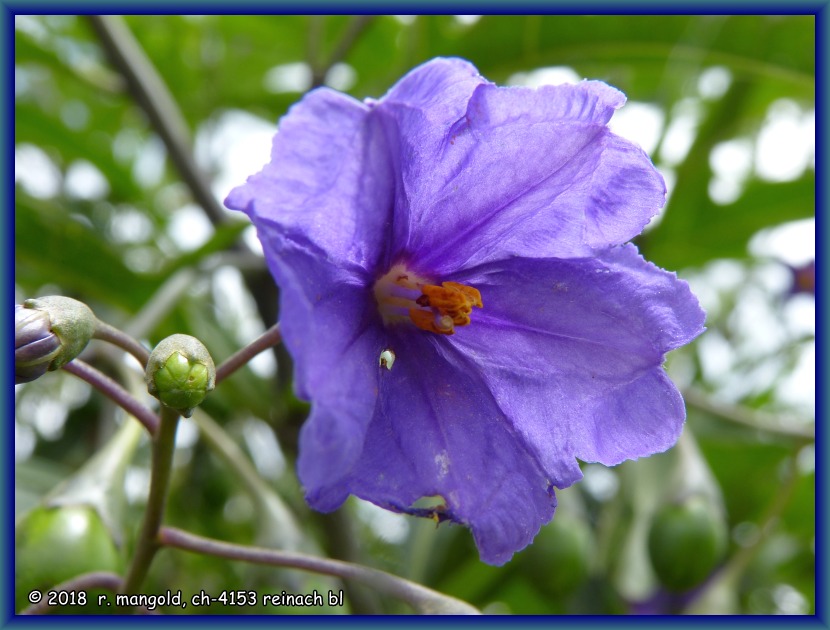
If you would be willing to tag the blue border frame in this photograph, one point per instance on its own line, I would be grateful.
(6, 177)
(572, 7)
(820, 9)
(821, 550)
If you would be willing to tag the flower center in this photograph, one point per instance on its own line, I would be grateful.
(403, 296)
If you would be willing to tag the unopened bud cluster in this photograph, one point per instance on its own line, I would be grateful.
(180, 373)
(48, 333)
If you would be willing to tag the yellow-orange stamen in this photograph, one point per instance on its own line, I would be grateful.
(450, 305)
(402, 296)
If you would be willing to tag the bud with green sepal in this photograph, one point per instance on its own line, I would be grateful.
(35, 345)
(48, 333)
(180, 373)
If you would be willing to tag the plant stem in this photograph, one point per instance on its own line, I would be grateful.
(729, 576)
(353, 31)
(771, 517)
(105, 332)
(422, 599)
(99, 483)
(152, 94)
(315, 48)
(790, 427)
(342, 544)
(268, 339)
(148, 544)
(114, 392)
(288, 534)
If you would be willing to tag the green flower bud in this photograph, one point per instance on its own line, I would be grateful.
(180, 373)
(55, 544)
(686, 541)
(48, 333)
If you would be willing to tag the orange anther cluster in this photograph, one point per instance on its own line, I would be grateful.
(450, 305)
(404, 297)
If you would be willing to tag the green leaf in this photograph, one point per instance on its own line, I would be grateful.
(39, 128)
(621, 47)
(51, 246)
(210, 63)
(696, 229)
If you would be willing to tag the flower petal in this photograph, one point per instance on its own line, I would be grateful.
(525, 172)
(435, 92)
(438, 431)
(329, 180)
(524, 195)
(334, 334)
(417, 114)
(572, 350)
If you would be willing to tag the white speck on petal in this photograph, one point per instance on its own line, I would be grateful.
(442, 460)
(387, 359)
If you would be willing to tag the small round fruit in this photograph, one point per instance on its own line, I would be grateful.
(55, 544)
(686, 542)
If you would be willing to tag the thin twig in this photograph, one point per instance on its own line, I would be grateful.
(771, 517)
(168, 295)
(106, 332)
(162, 464)
(790, 427)
(268, 339)
(152, 94)
(163, 301)
(353, 32)
(114, 392)
(273, 508)
(737, 565)
(80, 583)
(354, 29)
(315, 48)
(342, 544)
(422, 599)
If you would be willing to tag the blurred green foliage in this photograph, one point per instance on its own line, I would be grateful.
(116, 249)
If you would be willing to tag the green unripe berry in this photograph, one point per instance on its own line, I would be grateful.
(55, 544)
(559, 560)
(686, 541)
(180, 373)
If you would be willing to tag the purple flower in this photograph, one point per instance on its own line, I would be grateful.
(49, 332)
(35, 345)
(455, 291)
(803, 278)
